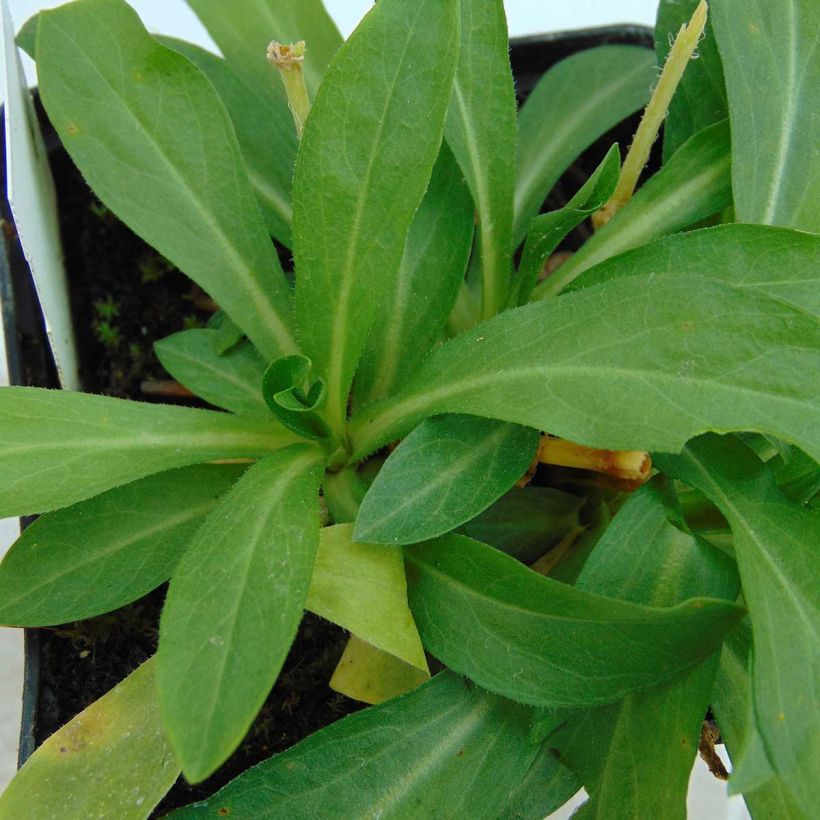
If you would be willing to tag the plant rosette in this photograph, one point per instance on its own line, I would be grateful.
(379, 414)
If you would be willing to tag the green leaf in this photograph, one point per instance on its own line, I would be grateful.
(481, 131)
(732, 705)
(575, 102)
(694, 184)
(700, 98)
(103, 553)
(157, 147)
(799, 478)
(364, 163)
(644, 362)
(545, 787)
(448, 470)
(243, 28)
(295, 397)
(778, 262)
(526, 522)
(362, 588)
(57, 448)
(413, 317)
(769, 53)
(234, 605)
(111, 760)
(547, 230)
(775, 544)
(264, 131)
(538, 641)
(447, 749)
(232, 381)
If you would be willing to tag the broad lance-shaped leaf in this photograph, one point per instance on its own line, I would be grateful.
(644, 362)
(232, 380)
(243, 28)
(263, 128)
(112, 760)
(547, 230)
(539, 641)
(694, 184)
(700, 98)
(575, 102)
(778, 262)
(368, 148)
(447, 471)
(775, 544)
(158, 148)
(233, 607)
(481, 131)
(413, 317)
(57, 448)
(446, 747)
(101, 554)
(644, 558)
(769, 53)
(362, 588)
(732, 706)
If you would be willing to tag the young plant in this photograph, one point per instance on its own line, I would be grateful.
(587, 622)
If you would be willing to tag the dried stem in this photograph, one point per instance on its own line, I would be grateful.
(633, 465)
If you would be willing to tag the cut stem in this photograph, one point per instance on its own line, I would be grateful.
(679, 55)
(633, 465)
(289, 60)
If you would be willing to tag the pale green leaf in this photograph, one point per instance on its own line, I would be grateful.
(57, 448)
(447, 471)
(413, 317)
(155, 143)
(362, 588)
(644, 362)
(694, 184)
(364, 163)
(111, 761)
(445, 750)
(481, 131)
(232, 380)
(233, 607)
(700, 98)
(539, 641)
(770, 57)
(265, 132)
(575, 102)
(775, 544)
(103, 553)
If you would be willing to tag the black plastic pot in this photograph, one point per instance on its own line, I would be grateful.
(30, 361)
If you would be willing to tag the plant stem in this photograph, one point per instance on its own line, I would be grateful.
(633, 465)
(289, 60)
(654, 115)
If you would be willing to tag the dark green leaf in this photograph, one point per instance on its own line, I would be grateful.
(415, 313)
(481, 132)
(769, 53)
(799, 478)
(539, 641)
(641, 363)
(547, 230)
(448, 470)
(700, 98)
(103, 553)
(158, 148)
(545, 787)
(57, 448)
(775, 544)
(446, 750)
(232, 381)
(526, 521)
(694, 184)
(233, 607)
(263, 128)
(575, 103)
(364, 163)
(295, 397)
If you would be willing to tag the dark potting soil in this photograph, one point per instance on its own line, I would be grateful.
(125, 296)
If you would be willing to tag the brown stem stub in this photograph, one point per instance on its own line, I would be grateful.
(631, 465)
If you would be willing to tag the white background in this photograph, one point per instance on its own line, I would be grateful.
(707, 799)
